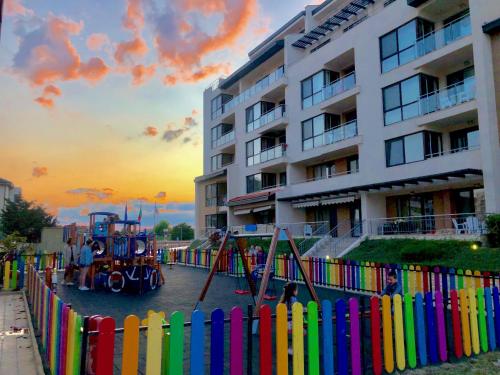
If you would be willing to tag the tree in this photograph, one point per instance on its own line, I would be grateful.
(182, 231)
(25, 218)
(160, 228)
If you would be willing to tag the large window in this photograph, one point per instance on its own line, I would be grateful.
(412, 148)
(255, 112)
(215, 194)
(353, 164)
(221, 160)
(253, 152)
(324, 170)
(464, 139)
(313, 130)
(217, 221)
(260, 181)
(217, 105)
(401, 100)
(312, 87)
(219, 131)
(399, 46)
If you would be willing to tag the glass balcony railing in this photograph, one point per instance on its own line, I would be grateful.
(225, 138)
(449, 33)
(339, 86)
(266, 118)
(450, 96)
(259, 86)
(267, 155)
(336, 134)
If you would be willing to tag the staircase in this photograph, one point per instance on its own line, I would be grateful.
(335, 246)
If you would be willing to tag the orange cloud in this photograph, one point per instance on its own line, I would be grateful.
(141, 73)
(194, 112)
(14, 8)
(51, 90)
(134, 15)
(150, 131)
(39, 171)
(96, 41)
(94, 70)
(134, 47)
(93, 193)
(45, 102)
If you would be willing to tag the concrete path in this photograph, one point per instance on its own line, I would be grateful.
(18, 356)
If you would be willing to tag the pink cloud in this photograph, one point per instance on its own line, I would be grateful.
(150, 131)
(15, 7)
(134, 16)
(131, 48)
(45, 102)
(39, 172)
(94, 70)
(51, 90)
(141, 73)
(97, 41)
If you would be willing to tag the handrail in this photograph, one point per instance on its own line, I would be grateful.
(447, 97)
(265, 118)
(272, 153)
(339, 242)
(339, 86)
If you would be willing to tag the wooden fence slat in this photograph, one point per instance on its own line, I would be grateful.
(496, 308)
(197, 348)
(410, 330)
(441, 329)
(217, 343)
(105, 346)
(375, 335)
(431, 328)
(489, 316)
(398, 333)
(176, 360)
(483, 335)
(313, 338)
(455, 322)
(298, 338)
(473, 320)
(420, 329)
(341, 331)
(130, 355)
(387, 334)
(266, 340)
(154, 344)
(281, 339)
(236, 341)
(464, 318)
(355, 336)
(326, 312)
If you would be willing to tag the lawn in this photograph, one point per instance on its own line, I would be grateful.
(457, 254)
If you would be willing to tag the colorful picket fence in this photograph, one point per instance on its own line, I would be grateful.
(59, 326)
(341, 338)
(42, 261)
(347, 274)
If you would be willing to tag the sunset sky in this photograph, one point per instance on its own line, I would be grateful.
(101, 101)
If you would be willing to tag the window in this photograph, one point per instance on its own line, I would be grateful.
(312, 87)
(217, 132)
(221, 160)
(324, 170)
(253, 152)
(255, 112)
(415, 205)
(399, 46)
(463, 201)
(283, 179)
(313, 130)
(464, 139)
(215, 194)
(412, 148)
(217, 104)
(353, 164)
(401, 100)
(217, 221)
(457, 26)
(260, 181)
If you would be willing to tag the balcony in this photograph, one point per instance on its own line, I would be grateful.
(267, 118)
(255, 89)
(267, 155)
(223, 140)
(334, 135)
(338, 96)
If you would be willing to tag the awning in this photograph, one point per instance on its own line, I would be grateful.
(211, 176)
(242, 212)
(306, 204)
(263, 208)
(326, 202)
(261, 196)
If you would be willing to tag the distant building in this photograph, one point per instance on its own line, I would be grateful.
(8, 192)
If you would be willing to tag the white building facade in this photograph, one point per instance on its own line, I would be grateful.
(8, 192)
(364, 116)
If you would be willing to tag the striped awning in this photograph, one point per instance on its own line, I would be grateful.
(242, 212)
(306, 204)
(263, 208)
(326, 202)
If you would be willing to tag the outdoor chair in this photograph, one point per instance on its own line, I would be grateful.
(459, 228)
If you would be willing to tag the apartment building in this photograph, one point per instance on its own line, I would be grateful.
(359, 115)
(8, 192)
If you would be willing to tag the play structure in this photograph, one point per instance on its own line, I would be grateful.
(263, 272)
(124, 256)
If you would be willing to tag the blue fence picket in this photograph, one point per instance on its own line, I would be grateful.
(342, 357)
(496, 306)
(489, 318)
(326, 310)
(420, 329)
(20, 266)
(431, 328)
(217, 343)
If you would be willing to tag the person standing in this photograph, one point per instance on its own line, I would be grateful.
(70, 255)
(86, 260)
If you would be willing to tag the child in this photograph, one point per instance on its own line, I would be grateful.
(392, 286)
(86, 260)
(289, 296)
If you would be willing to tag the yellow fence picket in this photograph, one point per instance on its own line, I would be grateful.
(464, 317)
(155, 334)
(130, 355)
(298, 338)
(387, 332)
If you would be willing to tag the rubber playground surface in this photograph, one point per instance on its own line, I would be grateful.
(179, 293)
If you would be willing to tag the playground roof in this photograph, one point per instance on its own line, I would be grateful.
(103, 213)
(131, 222)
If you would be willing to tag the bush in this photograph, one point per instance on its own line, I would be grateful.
(493, 226)
(424, 252)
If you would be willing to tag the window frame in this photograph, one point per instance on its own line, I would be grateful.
(425, 134)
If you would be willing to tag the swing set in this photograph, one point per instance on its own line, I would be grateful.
(240, 243)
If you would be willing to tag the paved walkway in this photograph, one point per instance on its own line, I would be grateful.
(17, 354)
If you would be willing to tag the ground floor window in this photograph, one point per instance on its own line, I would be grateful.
(218, 221)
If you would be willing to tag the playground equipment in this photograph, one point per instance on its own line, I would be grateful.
(266, 273)
(123, 259)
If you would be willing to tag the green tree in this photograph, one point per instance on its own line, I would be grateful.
(182, 231)
(160, 228)
(25, 218)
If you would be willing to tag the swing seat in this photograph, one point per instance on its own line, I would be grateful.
(241, 292)
(270, 298)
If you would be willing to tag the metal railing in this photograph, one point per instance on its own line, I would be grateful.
(341, 243)
(330, 175)
(339, 86)
(267, 155)
(224, 138)
(266, 118)
(450, 96)
(449, 33)
(447, 224)
(259, 86)
(339, 133)
(308, 229)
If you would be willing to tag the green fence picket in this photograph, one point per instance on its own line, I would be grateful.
(410, 331)
(313, 337)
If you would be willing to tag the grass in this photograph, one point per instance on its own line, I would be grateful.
(449, 253)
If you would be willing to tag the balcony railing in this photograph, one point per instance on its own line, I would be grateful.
(449, 33)
(450, 96)
(326, 176)
(447, 224)
(225, 138)
(259, 86)
(266, 118)
(339, 86)
(267, 155)
(339, 133)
